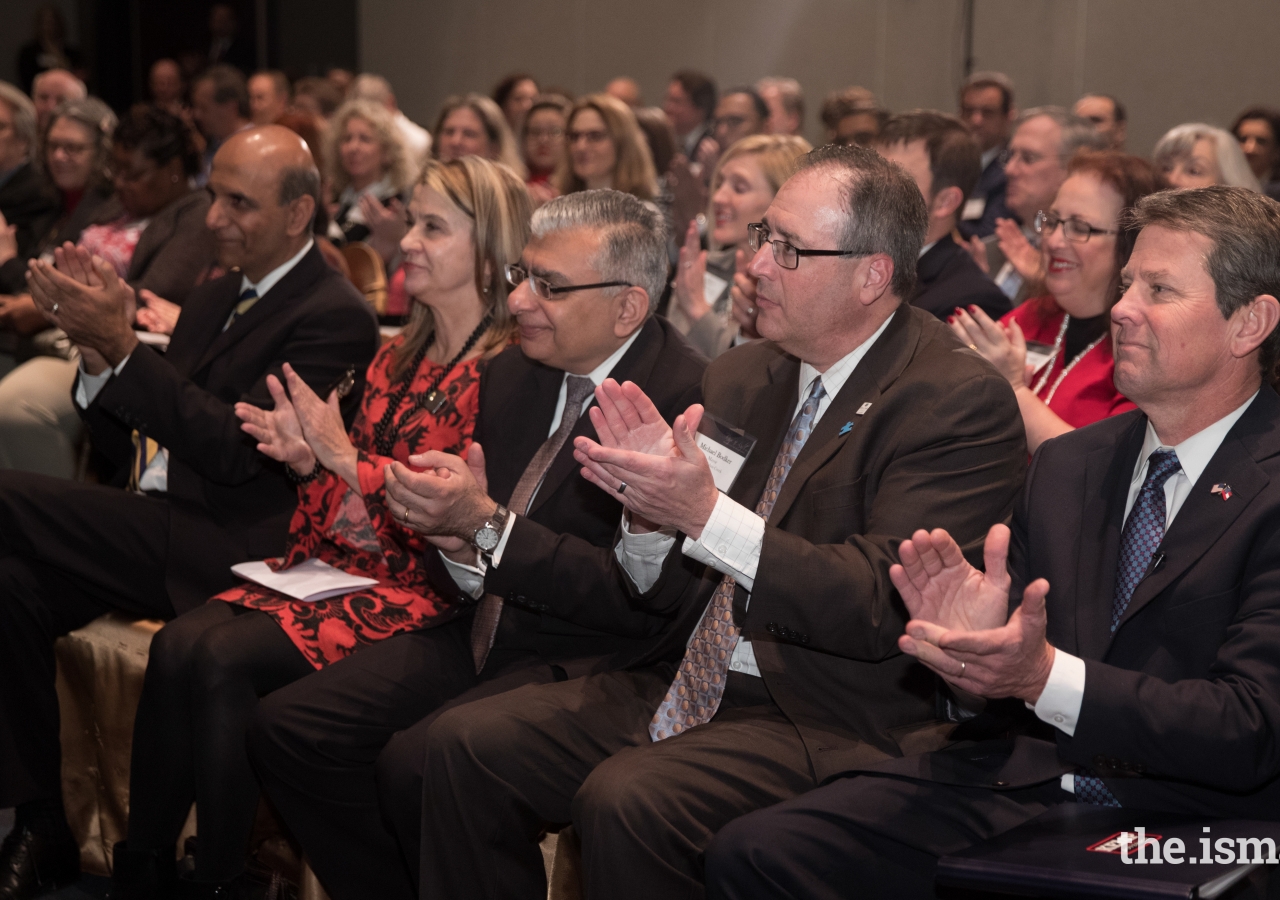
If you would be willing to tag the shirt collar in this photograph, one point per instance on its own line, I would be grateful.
(925, 249)
(1195, 452)
(601, 372)
(990, 156)
(273, 277)
(834, 378)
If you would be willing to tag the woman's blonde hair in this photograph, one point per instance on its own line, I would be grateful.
(776, 153)
(1180, 141)
(498, 205)
(633, 173)
(395, 157)
(502, 143)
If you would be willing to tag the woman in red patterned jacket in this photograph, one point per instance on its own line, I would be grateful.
(208, 667)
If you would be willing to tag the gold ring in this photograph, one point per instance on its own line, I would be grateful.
(973, 347)
(962, 668)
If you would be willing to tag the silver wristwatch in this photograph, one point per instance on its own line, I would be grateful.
(487, 535)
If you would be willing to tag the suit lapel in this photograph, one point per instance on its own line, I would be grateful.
(879, 368)
(766, 416)
(1108, 472)
(525, 413)
(201, 322)
(1203, 518)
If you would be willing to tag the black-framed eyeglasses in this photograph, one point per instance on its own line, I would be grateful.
(517, 275)
(1073, 227)
(785, 255)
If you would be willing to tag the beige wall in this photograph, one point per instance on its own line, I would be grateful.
(1171, 61)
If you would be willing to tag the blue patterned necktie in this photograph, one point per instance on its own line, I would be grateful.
(694, 695)
(1142, 534)
(248, 297)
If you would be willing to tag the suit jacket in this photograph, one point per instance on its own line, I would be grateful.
(948, 277)
(31, 203)
(175, 249)
(565, 595)
(228, 502)
(1181, 707)
(991, 187)
(97, 205)
(995, 262)
(939, 443)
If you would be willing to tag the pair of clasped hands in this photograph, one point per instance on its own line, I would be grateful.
(960, 623)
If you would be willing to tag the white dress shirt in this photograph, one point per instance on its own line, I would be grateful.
(733, 537)
(1063, 694)
(156, 476)
(471, 578)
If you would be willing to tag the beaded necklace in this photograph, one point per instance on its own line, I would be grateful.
(1057, 348)
(433, 400)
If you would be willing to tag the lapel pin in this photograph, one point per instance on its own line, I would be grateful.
(862, 410)
(1221, 488)
(845, 429)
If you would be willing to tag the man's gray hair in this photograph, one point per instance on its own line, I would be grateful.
(884, 209)
(789, 91)
(633, 235)
(1244, 262)
(1180, 141)
(372, 87)
(297, 182)
(24, 115)
(1077, 133)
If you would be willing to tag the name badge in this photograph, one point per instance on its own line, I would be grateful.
(726, 449)
(973, 209)
(712, 287)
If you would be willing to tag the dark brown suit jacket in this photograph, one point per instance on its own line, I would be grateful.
(924, 434)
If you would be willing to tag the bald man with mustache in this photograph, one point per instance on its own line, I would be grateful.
(192, 496)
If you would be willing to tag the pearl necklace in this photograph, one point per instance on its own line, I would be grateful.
(1057, 348)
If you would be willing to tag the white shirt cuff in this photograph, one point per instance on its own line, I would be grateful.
(1063, 693)
(89, 386)
(1068, 782)
(469, 578)
(496, 556)
(731, 541)
(641, 554)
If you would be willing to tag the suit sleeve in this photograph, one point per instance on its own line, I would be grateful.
(202, 429)
(958, 464)
(1221, 731)
(173, 270)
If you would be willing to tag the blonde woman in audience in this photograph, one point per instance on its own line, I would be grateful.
(209, 666)
(473, 125)
(369, 173)
(1197, 155)
(606, 149)
(705, 307)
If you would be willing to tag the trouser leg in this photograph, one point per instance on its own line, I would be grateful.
(68, 553)
(883, 835)
(497, 770)
(315, 744)
(39, 426)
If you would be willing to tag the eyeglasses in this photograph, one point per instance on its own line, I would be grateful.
(985, 112)
(68, 147)
(785, 255)
(517, 275)
(545, 134)
(591, 137)
(1074, 228)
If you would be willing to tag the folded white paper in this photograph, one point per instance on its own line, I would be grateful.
(308, 581)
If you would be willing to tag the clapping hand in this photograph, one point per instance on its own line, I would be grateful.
(277, 431)
(387, 224)
(85, 297)
(743, 295)
(1021, 254)
(1004, 346)
(8, 240)
(691, 275)
(323, 429)
(668, 481)
(960, 626)
(157, 314)
(447, 501)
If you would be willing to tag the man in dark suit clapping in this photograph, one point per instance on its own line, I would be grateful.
(1144, 562)
(867, 417)
(202, 498)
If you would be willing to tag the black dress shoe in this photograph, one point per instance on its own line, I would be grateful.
(32, 864)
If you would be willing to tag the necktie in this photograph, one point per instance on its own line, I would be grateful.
(248, 297)
(695, 693)
(484, 627)
(144, 450)
(1142, 534)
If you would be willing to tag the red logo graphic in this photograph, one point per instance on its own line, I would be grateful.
(1114, 844)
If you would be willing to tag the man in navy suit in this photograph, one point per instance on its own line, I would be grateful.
(1139, 668)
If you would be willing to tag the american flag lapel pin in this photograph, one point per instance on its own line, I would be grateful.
(1223, 489)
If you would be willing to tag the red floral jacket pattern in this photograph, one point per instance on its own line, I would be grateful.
(355, 532)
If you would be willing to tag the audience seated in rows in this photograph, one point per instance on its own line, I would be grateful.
(625, 89)
(153, 236)
(203, 497)
(690, 105)
(740, 113)
(785, 99)
(851, 116)
(269, 96)
(29, 205)
(515, 95)
(987, 107)
(1157, 693)
(209, 666)
(370, 175)
(1108, 116)
(1198, 155)
(220, 108)
(472, 124)
(521, 536)
(1258, 131)
(942, 156)
(52, 88)
(542, 144)
(376, 89)
(1085, 243)
(743, 185)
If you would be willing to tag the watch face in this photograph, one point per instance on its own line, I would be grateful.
(486, 537)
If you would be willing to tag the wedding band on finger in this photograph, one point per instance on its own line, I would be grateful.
(622, 487)
(751, 310)
(54, 309)
(973, 347)
(962, 668)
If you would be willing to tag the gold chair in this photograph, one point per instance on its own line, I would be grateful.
(368, 274)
